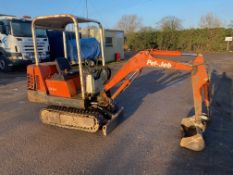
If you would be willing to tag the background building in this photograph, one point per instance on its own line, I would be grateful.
(114, 42)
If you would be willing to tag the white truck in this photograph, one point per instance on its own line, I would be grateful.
(16, 45)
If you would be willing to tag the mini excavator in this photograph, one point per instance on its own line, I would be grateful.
(80, 98)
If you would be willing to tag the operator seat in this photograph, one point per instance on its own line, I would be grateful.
(64, 69)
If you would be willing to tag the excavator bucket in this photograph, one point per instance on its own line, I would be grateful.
(192, 133)
(194, 127)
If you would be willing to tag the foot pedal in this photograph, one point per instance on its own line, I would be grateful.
(111, 124)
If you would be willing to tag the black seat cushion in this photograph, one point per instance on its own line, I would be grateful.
(64, 68)
(63, 64)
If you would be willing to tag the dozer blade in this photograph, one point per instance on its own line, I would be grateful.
(111, 124)
(192, 134)
(71, 118)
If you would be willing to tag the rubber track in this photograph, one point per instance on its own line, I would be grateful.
(79, 112)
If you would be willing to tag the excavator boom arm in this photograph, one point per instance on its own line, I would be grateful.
(133, 67)
(146, 59)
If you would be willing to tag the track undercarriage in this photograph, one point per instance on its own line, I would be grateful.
(88, 120)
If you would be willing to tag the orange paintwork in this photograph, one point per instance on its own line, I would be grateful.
(200, 83)
(40, 78)
(145, 59)
(40, 73)
(61, 88)
(165, 53)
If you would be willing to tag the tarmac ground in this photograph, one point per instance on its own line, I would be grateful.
(146, 142)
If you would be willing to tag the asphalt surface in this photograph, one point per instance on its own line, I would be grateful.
(146, 142)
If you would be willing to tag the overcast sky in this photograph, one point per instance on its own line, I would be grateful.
(110, 11)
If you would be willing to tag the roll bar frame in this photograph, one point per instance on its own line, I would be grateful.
(75, 20)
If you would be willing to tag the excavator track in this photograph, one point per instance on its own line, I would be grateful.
(72, 118)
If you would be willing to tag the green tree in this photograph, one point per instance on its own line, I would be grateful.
(169, 26)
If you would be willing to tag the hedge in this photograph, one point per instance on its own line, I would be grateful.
(197, 40)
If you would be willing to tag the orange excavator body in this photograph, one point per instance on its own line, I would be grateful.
(40, 80)
(81, 98)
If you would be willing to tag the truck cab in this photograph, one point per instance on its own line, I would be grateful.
(16, 47)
